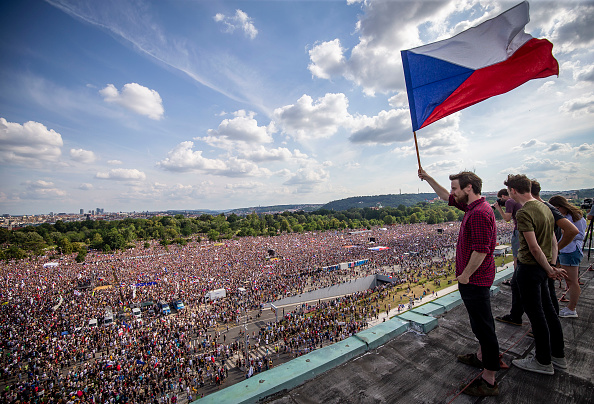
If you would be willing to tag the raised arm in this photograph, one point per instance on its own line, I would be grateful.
(569, 232)
(506, 216)
(439, 190)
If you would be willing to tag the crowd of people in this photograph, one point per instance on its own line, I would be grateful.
(50, 354)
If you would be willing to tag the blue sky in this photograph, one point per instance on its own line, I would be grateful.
(154, 105)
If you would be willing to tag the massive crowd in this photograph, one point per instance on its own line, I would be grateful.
(48, 354)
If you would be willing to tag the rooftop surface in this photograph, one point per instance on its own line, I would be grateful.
(422, 368)
(419, 367)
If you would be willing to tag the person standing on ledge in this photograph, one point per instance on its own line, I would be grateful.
(475, 272)
(536, 258)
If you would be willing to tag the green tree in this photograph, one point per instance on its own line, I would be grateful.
(65, 246)
(213, 235)
(80, 257)
(97, 241)
(14, 253)
(389, 219)
(114, 239)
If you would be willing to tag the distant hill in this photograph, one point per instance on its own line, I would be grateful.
(309, 207)
(389, 200)
(392, 200)
(194, 212)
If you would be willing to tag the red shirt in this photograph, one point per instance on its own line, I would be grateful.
(478, 232)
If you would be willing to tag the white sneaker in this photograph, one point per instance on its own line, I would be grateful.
(531, 364)
(559, 363)
(567, 313)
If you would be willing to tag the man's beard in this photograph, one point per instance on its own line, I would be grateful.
(463, 199)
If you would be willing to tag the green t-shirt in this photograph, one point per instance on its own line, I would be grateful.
(537, 217)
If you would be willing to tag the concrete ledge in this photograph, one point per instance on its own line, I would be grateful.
(289, 375)
(419, 322)
(503, 275)
(494, 290)
(449, 301)
(380, 334)
(429, 309)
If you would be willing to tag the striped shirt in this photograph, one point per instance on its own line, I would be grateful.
(477, 233)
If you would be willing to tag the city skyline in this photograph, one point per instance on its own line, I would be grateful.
(153, 106)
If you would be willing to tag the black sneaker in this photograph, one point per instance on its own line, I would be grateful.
(509, 320)
(471, 359)
(480, 388)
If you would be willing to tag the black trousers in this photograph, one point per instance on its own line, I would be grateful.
(517, 308)
(477, 300)
(546, 327)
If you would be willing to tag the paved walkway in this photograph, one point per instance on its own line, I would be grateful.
(428, 298)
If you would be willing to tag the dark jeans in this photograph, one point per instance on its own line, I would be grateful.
(546, 327)
(477, 300)
(517, 308)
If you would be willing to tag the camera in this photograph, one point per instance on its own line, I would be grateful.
(499, 202)
(587, 204)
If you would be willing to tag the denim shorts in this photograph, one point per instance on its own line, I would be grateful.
(515, 242)
(572, 259)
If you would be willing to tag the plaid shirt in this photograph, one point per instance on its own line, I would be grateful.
(477, 233)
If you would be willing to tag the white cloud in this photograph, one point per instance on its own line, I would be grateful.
(569, 26)
(85, 186)
(385, 28)
(444, 166)
(29, 144)
(243, 128)
(114, 162)
(327, 59)
(584, 150)
(579, 106)
(41, 189)
(534, 166)
(308, 120)
(556, 148)
(122, 174)
(445, 138)
(169, 192)
(82, 156)
(261, 154)
(400, 100)
(529, 144)
(135, 98)
(309, 177)
(183, 159)
(243, 186)
(240, 21)
(386, 128)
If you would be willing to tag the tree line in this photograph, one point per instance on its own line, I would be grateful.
(82, 236)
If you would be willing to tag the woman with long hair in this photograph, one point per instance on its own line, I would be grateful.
(571, 255)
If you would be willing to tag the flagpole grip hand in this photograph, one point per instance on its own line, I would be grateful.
(423, 175)
(441, 192)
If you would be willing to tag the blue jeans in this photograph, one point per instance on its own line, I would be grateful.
(546, 327)
(477, 300)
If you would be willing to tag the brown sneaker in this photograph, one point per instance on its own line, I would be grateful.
(471, 359)
(480, 388)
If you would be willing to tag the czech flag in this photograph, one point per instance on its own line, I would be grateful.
(487, 60)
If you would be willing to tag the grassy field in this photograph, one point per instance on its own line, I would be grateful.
(401, 294)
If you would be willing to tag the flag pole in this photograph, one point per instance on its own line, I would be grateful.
(417, 147)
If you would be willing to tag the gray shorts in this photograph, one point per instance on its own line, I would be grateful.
(515, 242)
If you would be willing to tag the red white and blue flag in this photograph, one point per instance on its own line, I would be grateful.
(487, 60)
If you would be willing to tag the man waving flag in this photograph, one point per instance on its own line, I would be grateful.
(487, 60)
